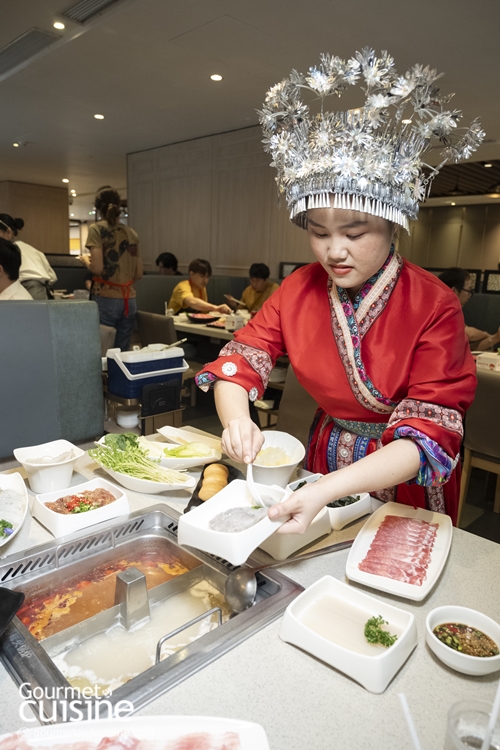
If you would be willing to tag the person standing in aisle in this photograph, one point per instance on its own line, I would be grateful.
(116, 263)
(36, 274)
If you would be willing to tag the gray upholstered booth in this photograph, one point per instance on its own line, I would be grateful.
(154, 290)
(483, 312)
(50, 373)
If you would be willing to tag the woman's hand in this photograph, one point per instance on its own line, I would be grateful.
(223, 309)
(242, 439)
(302, 507)
(84, 259)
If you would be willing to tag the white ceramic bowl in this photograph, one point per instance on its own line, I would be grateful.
(471, 665)
(59, 524)
(334, 632)
(48, 477)
(279, 475)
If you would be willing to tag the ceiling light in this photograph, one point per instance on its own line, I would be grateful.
(487, 164)
(453, 203)
(216, 77)
(65, 179)
(16, 145)
(72, 214)
(99, 117)
(59, 25)
(406, 122)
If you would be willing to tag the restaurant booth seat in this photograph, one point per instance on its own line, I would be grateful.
(50, 373)
(483, 312)
(482, 434)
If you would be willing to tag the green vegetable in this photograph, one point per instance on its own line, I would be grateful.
(375, 634)
(188, 450)
(343, 501)
(121, 441)
(300, 485)
(6, 528)
(133, 461)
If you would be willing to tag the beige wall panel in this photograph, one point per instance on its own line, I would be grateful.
(491, 246)
(471, 241)
(184, 217)
(287, 241)
(240, 229)
(183, 155)
(140, 164)
(417, 252)
(45, 213)
(142, 218)
(444, 240)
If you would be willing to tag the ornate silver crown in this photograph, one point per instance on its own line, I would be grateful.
(370, 159)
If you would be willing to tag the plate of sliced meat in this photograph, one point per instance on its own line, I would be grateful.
(401, 550)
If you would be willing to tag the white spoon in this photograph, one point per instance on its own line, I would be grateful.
(253, 488)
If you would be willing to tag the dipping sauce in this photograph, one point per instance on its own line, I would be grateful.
(465, 639)
(343, 623)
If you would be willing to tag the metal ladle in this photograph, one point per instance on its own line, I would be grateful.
(240, 588)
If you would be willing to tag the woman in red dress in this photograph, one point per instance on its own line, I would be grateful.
(378, 342)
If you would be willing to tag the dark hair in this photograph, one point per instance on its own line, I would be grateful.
(259, 271)
(10, 259)
(10, 223)
(108, 203)
(168, 260)
(454, 277)
(200, 266)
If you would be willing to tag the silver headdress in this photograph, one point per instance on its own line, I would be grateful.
(370, 159)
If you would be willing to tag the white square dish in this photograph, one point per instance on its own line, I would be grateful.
(60, 524)
(281, 546)
(46, 477)
(339, 517)
(235, 547)
(328, 619)
(367, 534)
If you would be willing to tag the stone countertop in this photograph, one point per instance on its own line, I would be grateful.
(301, 702)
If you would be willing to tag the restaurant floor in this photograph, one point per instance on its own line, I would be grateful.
(477, 515)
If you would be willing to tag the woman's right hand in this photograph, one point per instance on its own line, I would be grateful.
(224, 309)
(242, 439)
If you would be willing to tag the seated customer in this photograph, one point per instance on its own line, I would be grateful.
(36, 274)
(191, 294)
(167, 264)
(10, 263)
(258, 292)
(459, 281)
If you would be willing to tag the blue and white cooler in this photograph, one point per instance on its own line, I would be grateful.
(129, 372)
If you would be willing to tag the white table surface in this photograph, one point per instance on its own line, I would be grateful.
(202, 330)
(301, 702)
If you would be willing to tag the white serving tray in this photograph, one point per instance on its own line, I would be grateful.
(281, 546)
(340, 517)
(439, 553)
(233, 547)
(146, 486)
(59, 524)
(373, 672)
(13, 482)
(147, 728)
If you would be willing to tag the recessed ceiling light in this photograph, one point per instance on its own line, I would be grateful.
(59, 25)
(487, 164)
(72, 214)
(65, 179)
(16, 145)
(453, 203)
(99, 117)
(216, 77)
(406, 122)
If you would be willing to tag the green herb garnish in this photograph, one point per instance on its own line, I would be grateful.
(375, 634)
(6, 528)
(343, 501)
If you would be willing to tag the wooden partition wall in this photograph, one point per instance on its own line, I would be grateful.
(44, 210)
(212, 198)
(216, 198)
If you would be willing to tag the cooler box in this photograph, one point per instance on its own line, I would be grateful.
(129, 372)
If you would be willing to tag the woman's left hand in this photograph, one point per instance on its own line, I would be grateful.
(303, 505)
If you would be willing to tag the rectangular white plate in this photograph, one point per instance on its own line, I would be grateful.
(438, 556)
(176, 435)
(163, 729)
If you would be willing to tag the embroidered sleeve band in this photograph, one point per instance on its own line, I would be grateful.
(258, 359)
(410, 408)
(435, 465)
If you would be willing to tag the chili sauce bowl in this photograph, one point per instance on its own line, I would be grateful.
(470, 665)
